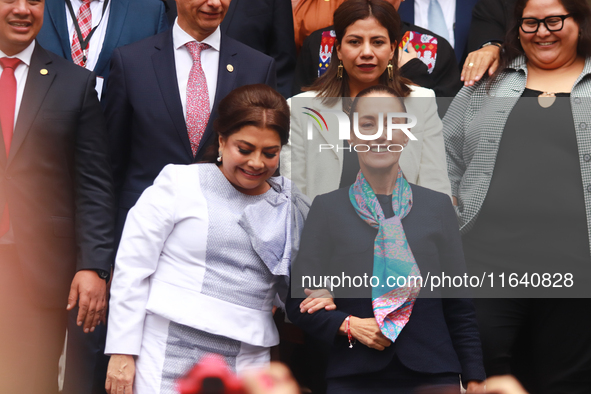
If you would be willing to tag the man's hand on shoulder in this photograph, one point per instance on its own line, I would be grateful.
(90, 291)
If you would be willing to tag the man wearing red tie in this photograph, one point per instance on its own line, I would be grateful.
(56, 202)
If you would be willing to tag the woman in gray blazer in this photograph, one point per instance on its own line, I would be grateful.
(519, 156)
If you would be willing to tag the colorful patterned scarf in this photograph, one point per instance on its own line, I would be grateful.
(393, 260)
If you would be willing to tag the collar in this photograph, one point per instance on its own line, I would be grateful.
(25, 55)
(181, 37)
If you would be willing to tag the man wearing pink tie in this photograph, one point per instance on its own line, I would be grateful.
(56, 202)
(163, 92)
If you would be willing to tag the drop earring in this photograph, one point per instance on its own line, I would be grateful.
(390, 70)
(219, 159)
(340, 70)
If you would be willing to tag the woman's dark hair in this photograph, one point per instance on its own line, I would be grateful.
(251, 105)
(328, 85)
(581, 13)
(371, 90)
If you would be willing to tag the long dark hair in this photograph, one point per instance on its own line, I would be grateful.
(511, 49)
(328, 85)
(250, 105)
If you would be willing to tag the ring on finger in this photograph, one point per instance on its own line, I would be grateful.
(470, 64)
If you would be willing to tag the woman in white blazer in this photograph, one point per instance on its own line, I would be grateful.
(367, 36)
(205, 253)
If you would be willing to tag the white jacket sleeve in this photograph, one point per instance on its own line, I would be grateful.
(146, 229)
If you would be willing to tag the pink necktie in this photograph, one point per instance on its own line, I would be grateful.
(85, 22)
(7, 107)
(197, 97)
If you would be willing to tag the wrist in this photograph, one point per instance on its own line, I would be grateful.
(352, 340)
(102, 274)
(497, 44)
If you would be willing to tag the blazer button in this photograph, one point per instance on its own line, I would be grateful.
(589, 188)
(583, 126)
(577, 101)
(587, 157)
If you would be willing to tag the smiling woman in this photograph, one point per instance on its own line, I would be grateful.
(205, 252)
(518, 152)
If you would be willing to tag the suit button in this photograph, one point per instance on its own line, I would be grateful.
(587, 157)
(577, 101)
(583, 126)
(589, 188)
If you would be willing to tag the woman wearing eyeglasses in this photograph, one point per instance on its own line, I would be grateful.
(519, 156)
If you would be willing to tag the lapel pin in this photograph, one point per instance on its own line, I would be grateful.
(230, 67)
(43, 71)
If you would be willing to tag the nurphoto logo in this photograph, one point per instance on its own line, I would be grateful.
(394, 121)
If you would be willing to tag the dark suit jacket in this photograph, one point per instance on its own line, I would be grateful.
(441, 335)
(144, 113)
(267, 26)
(444, 80)
(57, 178)
(461, 27)
(129, 21)
(490, 21)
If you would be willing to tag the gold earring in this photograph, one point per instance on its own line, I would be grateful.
(390, 71)
(340, 70)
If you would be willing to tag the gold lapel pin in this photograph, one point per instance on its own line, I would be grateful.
(230, 67)
(43, 71)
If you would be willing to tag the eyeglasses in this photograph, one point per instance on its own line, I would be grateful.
(552, 23)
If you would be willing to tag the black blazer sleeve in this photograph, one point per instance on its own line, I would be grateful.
(315, 250)
(94, 186)
(267, 26)
(306, 70)
(119, 115)
(490, 21)
(458, 308)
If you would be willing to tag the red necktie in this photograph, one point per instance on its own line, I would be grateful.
(7, 107)
(85, 22)
(197, 97)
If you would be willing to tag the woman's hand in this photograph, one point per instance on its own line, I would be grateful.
(367, 332)
(474, 387)
(486, 58)
(317, 299)
(406, 54)
(505, 384)
(120, 374)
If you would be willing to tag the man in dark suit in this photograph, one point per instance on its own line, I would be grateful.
(151, 96)
(116, 23)
(265, 25)
(56, 199)
(122, 22)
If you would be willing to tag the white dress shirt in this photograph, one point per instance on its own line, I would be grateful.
(210, 59)
(449, 13)
(20, 74)
(98, 38)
